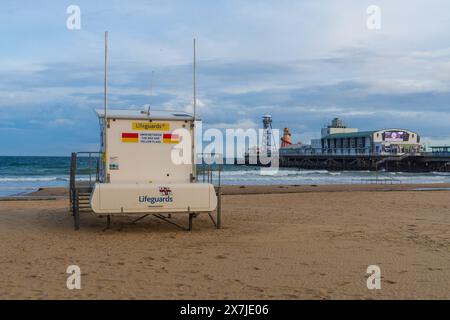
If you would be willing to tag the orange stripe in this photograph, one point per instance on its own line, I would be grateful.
(170, 141)
(130, 140)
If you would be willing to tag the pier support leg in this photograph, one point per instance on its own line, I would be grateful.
(108, 221)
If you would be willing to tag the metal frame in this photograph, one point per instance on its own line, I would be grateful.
(74, 189)
(158, 216)
(166, 219)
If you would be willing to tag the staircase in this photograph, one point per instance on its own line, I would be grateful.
(80, 191)
(393, 158)
(84, 199)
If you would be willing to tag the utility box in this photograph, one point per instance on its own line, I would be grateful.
(138, 172)
(139, 146)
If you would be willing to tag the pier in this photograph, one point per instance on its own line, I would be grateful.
(408, 162)
(345, 148)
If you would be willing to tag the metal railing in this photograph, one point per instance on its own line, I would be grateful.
(88, 164)
(85, 163)
(347, 152)
(210, 168)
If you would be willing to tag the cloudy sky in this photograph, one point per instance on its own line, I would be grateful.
(304, 62)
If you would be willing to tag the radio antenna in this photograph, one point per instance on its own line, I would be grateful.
(195, 84)
(106, 104)
(193, 154)
(151, 93)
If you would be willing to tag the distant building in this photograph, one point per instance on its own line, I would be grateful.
(338, 139)
(440, 150)
(337, 126)
(316, 144)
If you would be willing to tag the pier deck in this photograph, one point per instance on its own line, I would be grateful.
(417, 162)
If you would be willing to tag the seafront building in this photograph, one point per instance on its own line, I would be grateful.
(337, 138)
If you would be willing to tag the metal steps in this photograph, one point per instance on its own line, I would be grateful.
(393, 158)
(84, 201)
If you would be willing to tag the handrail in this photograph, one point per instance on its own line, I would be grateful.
(74, 167)
(213, 164)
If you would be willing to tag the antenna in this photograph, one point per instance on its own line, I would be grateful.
(151, 93)
(193, 151)
(106, 104)
(195, 84)
(106, 77)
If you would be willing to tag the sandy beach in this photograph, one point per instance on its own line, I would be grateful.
(278, 242)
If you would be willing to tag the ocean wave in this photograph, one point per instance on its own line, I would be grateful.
(17, 188)
(39, 179)
(444, 174)
(334, 173)
(278, 173)
(35, 179)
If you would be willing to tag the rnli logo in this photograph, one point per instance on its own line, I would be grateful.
(165, 191)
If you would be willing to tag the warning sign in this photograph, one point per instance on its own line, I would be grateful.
(113, 163)
(151, 137)
(150, 126)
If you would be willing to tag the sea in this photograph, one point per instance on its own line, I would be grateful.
(22, 175)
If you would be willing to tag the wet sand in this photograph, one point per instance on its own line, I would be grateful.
(272, 189)
(276, 243)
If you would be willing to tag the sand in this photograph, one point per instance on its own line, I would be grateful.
(301, 244)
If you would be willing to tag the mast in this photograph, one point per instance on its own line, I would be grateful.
(105, 105)
(195, 84)
(194, 156)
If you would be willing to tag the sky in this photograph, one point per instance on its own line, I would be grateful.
(303, 62)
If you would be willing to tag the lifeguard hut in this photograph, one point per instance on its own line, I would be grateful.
(136, 173)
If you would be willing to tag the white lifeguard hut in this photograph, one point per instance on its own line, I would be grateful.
(138, 172)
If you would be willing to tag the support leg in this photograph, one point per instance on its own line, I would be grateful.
(108, 221)
(76, 211)
(219, 209)
(72, 202)
(190, 218)
(140, 218)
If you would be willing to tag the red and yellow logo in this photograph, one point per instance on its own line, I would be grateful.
(130, 137)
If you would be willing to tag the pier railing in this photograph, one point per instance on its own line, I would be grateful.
(351, 152)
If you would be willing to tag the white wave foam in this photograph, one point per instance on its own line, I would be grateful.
(39, 179)
(279, 173)
(27, 179)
